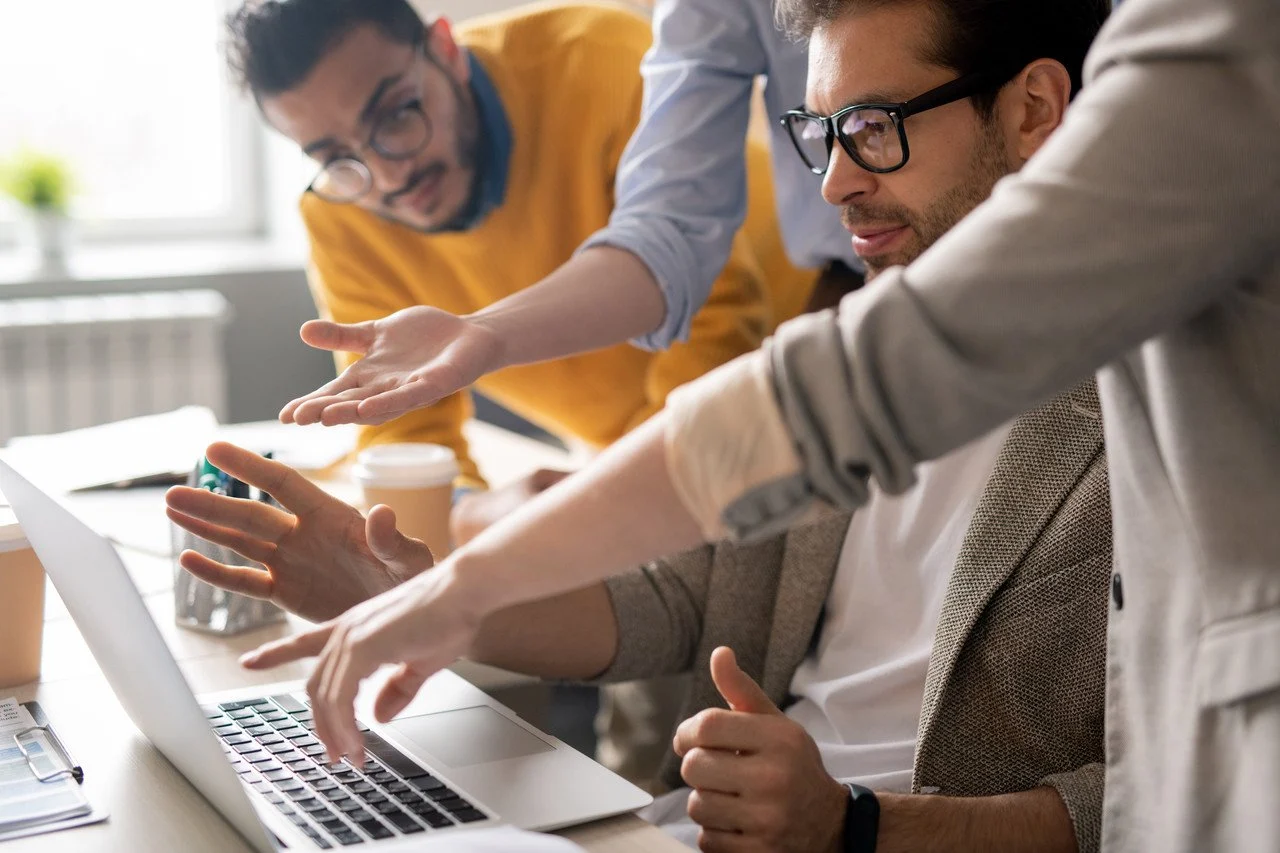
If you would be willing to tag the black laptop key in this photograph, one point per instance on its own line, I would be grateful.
(297, 820)
(435, 819)
(348, 776)
(310, 806)
(325, 785)
(408, 797)
(284, 807)
(396, 787)
(262, 787)
(283, 722)
(241, 714)
(375, 829)
(235, 706)
(273, 798)
(392, 757)
(319, 840)
(278, 748)
(425, 782)
(300, 793)
(333, 823)
(312, 774)
(403, 822)
(268, 740)
(272, 716)
(289, 785)
(361, 787)
(349, 806)
(386, 807)
(376, 797)
(315, 750)
(278, 775)
(346, 838)
(470, 815)
(288, 703)
(297, 735)
(235, 739)
(247, 748)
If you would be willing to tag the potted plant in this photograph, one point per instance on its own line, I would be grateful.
(42, 183)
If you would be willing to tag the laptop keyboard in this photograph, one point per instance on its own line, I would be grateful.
(271, 744)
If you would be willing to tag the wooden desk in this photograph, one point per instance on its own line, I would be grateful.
(152, 806)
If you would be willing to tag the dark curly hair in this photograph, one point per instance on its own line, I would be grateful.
(272, 45)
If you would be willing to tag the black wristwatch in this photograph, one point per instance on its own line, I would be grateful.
(861, 820)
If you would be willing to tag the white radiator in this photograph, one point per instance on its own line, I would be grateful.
(78, 361)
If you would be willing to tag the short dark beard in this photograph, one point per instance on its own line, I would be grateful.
(989, 163)
(467, 151)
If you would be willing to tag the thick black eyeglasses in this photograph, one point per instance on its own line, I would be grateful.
(874, 135)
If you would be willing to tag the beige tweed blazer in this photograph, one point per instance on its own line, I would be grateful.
(1015, 691)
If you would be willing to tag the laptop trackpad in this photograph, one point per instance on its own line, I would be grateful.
(469, 736)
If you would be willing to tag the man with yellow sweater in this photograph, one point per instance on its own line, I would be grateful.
(460, 166)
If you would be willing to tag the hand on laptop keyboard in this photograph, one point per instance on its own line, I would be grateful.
(271, 746)
(388, 628)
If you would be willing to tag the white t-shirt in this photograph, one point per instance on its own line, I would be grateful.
(859, 696)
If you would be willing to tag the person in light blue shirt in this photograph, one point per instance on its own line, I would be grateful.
(681, 197)
(681, 191)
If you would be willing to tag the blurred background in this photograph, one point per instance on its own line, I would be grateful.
(131, 166)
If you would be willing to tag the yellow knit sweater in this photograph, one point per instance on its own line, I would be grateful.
(568, 76)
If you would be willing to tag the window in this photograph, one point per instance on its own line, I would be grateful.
(133, 93)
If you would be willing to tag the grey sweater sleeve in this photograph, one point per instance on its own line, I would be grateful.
(659, 609)
(1081, 792)
(1157, 196)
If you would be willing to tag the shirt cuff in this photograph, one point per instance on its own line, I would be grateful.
(669, 261)
(729, 454)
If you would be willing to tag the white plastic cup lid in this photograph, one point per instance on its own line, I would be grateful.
(405, 466)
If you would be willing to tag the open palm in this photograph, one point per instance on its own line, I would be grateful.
(411, 359)
(322, 557)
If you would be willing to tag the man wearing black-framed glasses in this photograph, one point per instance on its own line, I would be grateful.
(907, 149)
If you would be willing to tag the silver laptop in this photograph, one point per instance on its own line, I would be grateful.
(454, 759)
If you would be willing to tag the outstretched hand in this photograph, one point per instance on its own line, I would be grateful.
(411, 359)
(321, 556)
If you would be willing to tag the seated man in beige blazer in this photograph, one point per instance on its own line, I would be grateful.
(949, 642)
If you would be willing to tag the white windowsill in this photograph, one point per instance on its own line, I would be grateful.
(155, 260)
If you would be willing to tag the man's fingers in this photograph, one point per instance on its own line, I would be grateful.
(343, 668)
(714, 810)
(717, 728)
(344, 380)
(243, 580)
(391, 546)
(397, 693)
(292, 490)
(249, 518)
(715, 841)
(346, 412)
(338, 337)
(397, 401)
(308, 644)
(738, 689)
(313, 410)
(713, 770)
(246, 546)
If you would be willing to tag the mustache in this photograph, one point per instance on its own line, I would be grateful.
(415, 180)
(854, 215)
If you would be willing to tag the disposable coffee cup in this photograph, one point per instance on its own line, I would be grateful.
(415, 480)
(21, 605)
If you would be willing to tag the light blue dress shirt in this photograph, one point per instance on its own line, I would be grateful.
(681, 186)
